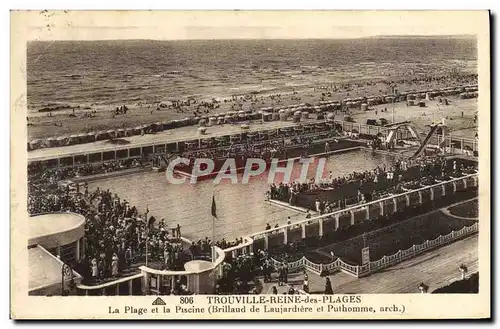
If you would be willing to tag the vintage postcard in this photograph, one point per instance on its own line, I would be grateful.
(250, 165)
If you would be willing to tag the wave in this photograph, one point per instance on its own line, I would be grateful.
(73, 76)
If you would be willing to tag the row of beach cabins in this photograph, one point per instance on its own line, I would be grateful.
(294, 112)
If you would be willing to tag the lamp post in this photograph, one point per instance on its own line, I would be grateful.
(67, 271)
(423, 288)
(463, 269)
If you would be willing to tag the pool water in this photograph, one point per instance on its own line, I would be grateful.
(241, 209)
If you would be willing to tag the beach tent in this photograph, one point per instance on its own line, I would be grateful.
(255, 116)
(170, 124)
(62, 140)
(111, 133)
(158, 126)
(267, 116)
(185, 122)
(296, 116)
(50, 142)
(120, 132)
(35, 144)
(82, 138)
(101, 135)
(91, 136)
(282, 116)
(73, 139)
(212, 121)
(129, 131)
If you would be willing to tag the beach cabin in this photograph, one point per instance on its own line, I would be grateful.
(296, 116)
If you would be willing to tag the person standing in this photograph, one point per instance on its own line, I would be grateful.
(285, 272)
(318, 205)
(114, 265)
(305, 285)
(328, 287)
(94, 269)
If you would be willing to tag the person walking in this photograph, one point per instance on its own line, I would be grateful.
(328, 287)
(305, 285)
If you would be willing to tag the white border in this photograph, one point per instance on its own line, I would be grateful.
(147, 4)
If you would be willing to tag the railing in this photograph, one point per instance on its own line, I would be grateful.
(110, 283)
(360, 206)
(247, 243)
(414, 250)
(338, 264)
(215, 263)
(220, 258)
(164, 141)
(386, 261)
(375, 129)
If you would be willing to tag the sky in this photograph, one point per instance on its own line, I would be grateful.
(182, 25)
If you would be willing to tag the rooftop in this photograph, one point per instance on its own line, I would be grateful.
(48, 224)
(169, 136)
(44, 268)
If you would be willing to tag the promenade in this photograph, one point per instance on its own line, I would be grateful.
(436, 268)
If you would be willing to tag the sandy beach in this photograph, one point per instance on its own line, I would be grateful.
(66, 122)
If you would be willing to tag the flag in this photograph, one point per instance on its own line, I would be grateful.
(214, 207)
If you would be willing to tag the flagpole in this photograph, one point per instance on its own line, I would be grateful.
(147, 242)
(213, 239)
(147, 234)
(213, 225)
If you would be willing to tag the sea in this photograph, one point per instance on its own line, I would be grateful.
(99, 73)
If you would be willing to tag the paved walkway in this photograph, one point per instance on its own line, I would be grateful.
(436, 268)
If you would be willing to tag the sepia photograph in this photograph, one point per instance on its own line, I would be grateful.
(320, 154)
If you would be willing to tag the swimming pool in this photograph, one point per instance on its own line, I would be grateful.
(241, 208)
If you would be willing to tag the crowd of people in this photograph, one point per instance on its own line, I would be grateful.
(249, 150)
(116, 233)
(370, 184)
(238, 275)
(38, 174)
